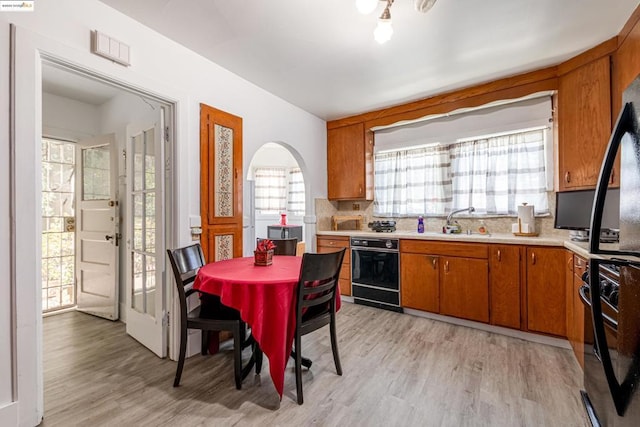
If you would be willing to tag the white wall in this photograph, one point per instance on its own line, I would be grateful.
(67, 118)
(62, 29)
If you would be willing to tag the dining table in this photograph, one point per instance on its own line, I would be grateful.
(265, 297)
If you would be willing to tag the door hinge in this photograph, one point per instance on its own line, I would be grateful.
(166, 134)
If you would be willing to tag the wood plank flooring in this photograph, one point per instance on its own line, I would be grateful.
(399, 370)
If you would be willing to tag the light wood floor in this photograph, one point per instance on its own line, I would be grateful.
(399, 370)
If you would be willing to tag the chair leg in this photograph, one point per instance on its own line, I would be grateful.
(183, 351)
(257, 351)
(237, 356)
(298, 344)
(334, 344)
(204, 344)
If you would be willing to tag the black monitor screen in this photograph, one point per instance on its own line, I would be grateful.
(573, 209)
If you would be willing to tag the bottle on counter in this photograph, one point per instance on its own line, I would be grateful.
(420, 224)
(482, 229)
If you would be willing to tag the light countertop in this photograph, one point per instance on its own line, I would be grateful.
(580, 248)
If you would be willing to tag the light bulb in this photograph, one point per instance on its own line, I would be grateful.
(366, 6)
(383, 31)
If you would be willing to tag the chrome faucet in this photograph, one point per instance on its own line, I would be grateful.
(452, 213)
(454, 227)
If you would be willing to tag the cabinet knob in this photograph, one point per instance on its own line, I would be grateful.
(567, 177)
(499, 255)
(533, 258)
(434, 262)
(446, 266)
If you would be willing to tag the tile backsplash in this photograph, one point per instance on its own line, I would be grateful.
(326, 208)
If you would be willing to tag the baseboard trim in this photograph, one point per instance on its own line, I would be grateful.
(9, 414)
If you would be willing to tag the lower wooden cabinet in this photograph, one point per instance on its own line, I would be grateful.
(326, 244)
(546, 292)
(420, 279)
(434, 277)
(464, 288)
(578, 311)
(504, 285)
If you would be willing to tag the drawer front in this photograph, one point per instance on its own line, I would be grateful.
(388, 297)
(332, 242)
(579, 265)
(467, 250)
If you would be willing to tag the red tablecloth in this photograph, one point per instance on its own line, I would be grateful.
(265, 298)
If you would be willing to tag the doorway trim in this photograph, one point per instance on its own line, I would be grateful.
(29, 52)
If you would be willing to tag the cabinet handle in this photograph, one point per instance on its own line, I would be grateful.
(434, 262)
(446, 266)
(533, 258)
(567, 176)
(360, 189)
(570, 264)
(499, 255)
(612, 177)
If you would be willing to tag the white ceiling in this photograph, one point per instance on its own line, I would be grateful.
(321, 56)
(65, 83)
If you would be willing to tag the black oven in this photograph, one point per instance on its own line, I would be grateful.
(375, 278)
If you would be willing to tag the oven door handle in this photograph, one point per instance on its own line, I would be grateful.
(586, 300)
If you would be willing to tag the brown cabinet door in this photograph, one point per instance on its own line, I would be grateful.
(578, 309)
(331, 244)
(464, 288)
(419, 281)
(504, 282)
(568, 284)
(220, 183)
(584, 120)
(350, 163)
(546, 292)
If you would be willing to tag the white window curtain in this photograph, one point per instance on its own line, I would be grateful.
(494, 175)
(412, 182)
(270, 190)
(295, 201)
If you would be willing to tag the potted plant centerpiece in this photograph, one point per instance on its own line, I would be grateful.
(263, 255)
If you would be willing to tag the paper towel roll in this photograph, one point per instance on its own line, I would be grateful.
(526, 218)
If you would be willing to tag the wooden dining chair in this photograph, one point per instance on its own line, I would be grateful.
(185, 263)
(316, 304)
(284, 246)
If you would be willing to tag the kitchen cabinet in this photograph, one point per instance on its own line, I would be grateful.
(504, 285)
(455, 274)
(464, 288)
(584, 122)
(546, 292)
(350, 163)
(327, 244)
(568, 284)
(420, 279)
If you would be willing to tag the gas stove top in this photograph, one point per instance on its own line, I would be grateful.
(382, 226)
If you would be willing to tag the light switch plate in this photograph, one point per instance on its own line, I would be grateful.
(110, 48)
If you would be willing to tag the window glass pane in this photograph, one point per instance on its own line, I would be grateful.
(149, 161)
(95, 173)
(138, 221)
(151, 285)
(138, 162)
(137, 289)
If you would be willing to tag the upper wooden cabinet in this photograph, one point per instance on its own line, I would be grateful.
(350, 163)
(584, 121)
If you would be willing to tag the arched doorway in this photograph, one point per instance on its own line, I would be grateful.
(275, 185)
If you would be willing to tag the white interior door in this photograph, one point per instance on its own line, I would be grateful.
(97, 228)
(145, 284)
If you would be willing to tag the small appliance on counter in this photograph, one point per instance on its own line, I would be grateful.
(526, 225)
(380, 226)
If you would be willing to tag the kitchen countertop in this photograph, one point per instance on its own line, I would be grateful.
(580, 248)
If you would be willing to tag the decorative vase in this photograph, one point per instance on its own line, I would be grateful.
(263, 258)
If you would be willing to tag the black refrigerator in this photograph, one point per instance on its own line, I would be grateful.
(611, 292)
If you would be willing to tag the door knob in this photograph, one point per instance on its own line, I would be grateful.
(108, 237)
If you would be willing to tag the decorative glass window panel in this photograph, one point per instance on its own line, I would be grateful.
(223, 179)
(96, 173)
(224, 247)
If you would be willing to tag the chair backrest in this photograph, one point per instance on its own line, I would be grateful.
(185, 263)
(317, 285)
(284, 246)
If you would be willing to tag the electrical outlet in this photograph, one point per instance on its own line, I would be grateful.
(356, 206)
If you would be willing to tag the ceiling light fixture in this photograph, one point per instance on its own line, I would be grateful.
(384, 30)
